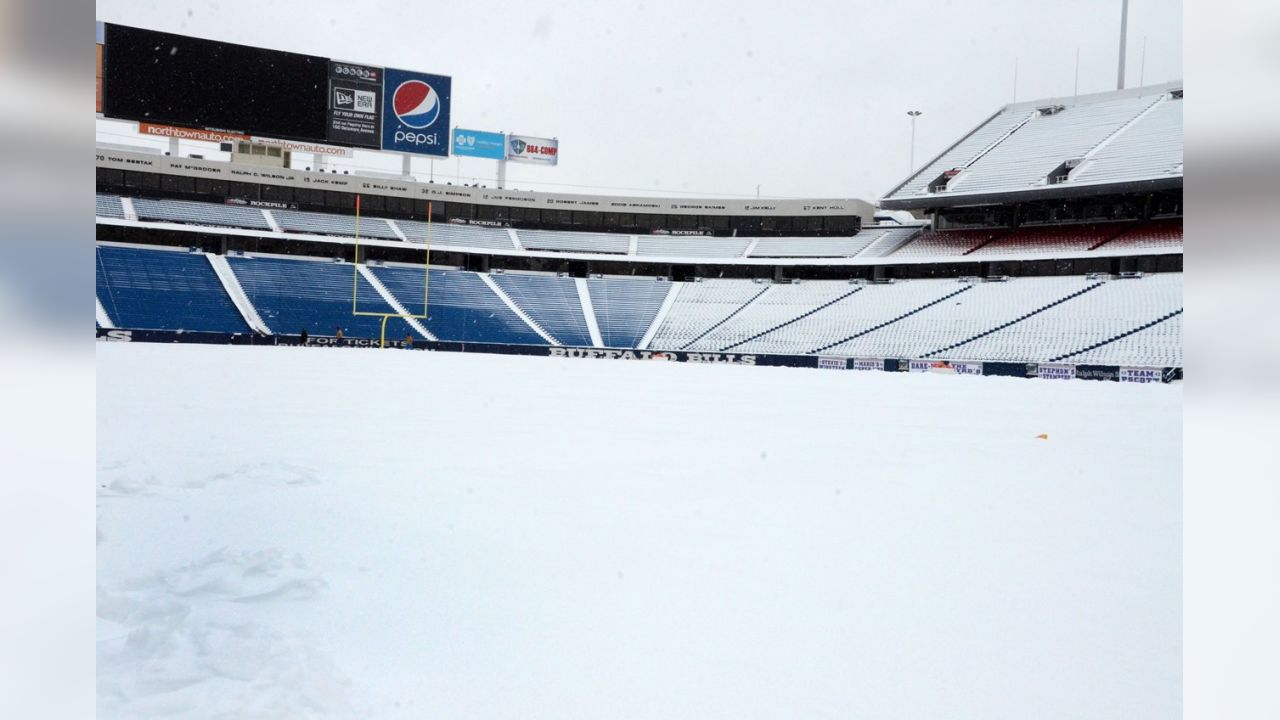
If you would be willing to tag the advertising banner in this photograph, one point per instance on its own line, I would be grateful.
(478, 143)
(966, 367)
(355, 105)
(1056, 372)
(1109, 373)
(218, 136)
(303, 146)
(833, 363)
(269, 204)
(808, 361)
(868, 364)
(1141, 375)
(172, 131)
(934, 366)
(415, 112)
(529, 149)
(660, 355)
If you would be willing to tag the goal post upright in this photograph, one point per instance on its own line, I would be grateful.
(426, 277)
(355, 264)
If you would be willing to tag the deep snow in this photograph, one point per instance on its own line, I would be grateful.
(291, 532)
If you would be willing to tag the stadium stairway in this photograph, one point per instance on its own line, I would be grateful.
(1142, 231)
(514, 307)
(1110, 237)
(552, 302)
(664, 309)
(1121, 336)
(796, 319)
(990, 239)
(316, 295)
(459, 305)
(102, 319)
(588, 312)
(395, 304)
(887, 323)
(236, 293)
(1014, 321)
(727, 318)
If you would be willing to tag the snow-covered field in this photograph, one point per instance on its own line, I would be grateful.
(387, 534)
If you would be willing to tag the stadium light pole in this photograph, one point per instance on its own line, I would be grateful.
(1142, 72)
(1124, 28)
(914, 114)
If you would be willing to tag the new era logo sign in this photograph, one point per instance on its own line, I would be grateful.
(361, 101)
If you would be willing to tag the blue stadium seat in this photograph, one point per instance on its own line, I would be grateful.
(292, 295)
(552, 302)
(625, 308)
(461, 307)
(108, 206)
(326, 224)
(200, 213)
(163, 290)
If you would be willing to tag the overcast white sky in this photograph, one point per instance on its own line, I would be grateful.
(803, 98)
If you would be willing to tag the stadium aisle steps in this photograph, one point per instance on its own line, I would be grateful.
(1015, 321)
(1117, 306)
(292, 295)
(886, 323)
(798, 318)
(1121, 336)
(947, 243)
(1152, 235)
(890, 241)
(232, 287)
(1122, 232)
(552, 302)
(413, 322)
(727, 318)
(985, 243)
(460, 306)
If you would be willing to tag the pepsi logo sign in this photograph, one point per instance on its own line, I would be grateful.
(416, 104)
(415, 113)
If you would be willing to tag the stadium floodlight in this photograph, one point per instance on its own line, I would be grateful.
(914, 114)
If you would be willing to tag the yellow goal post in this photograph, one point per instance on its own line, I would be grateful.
(355, 280)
